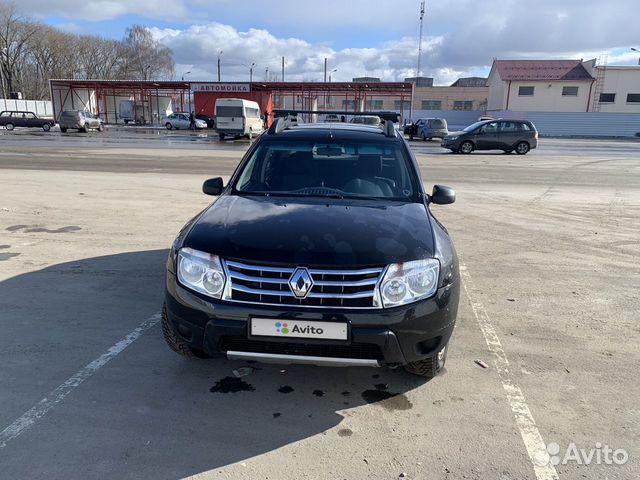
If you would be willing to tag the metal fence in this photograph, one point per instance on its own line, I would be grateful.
(39, 107)
(579, 124)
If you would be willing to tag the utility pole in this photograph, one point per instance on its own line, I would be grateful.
(325, 70)
(219, 53)
(251, 72)
(266, 74)
(283, 68)
(420, 42)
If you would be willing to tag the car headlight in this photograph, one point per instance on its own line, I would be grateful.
(409, 282)
(201, 272)
(452, 138)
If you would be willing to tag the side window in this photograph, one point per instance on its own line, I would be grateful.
(523, 127)
(30, 115)
(508, 127)
(489, 128)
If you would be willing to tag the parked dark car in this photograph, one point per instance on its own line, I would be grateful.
(321, 249)
(509, 135)
(10, 119)
(210, 121)
(79, 120)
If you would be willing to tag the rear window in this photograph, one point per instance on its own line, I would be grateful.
(329, 169)
(225, 111)
(437, 123)
(252, 112)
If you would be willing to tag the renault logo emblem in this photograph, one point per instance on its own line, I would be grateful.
(300, 282)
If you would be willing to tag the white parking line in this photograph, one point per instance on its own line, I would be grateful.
(526, 424)
(58, 394)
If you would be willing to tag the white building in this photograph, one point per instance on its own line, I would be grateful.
(620, 92)
(563, 86)
(540, 86)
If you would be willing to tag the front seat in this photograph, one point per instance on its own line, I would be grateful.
(369, 182)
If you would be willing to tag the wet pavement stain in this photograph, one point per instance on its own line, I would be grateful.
(231, 385)
(345, 432)
(318, 393)
(375, 375)
(7, 256)
(36, 229)
(381, 386)
(346, 393)
(276, 415)
(285, 389)
(4, 246)
(388, 400)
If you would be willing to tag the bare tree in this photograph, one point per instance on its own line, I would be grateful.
(147, 57)
(31, 53)
(15, 32)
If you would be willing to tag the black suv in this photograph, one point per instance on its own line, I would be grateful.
(508, 135)
(321, 250)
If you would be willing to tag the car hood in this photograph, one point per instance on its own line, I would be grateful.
(456, 134)
(313, 231)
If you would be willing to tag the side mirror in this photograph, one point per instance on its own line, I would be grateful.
(213, 186)
(442, 195)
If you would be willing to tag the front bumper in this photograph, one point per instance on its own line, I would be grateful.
(450, 144)
(394, 336)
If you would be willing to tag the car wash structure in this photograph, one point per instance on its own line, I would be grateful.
(146, 102)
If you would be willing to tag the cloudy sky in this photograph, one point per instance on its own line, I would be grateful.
(359, 37)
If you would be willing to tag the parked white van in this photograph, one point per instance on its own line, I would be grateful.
(238, 117)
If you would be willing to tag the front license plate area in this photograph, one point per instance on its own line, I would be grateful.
(269, 327)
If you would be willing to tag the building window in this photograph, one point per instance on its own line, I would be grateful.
(525, 91)
(374, 104)
(349, 105)
(431, 104)
(404, 105)
(463, 105)
(569, 91)
(633, 98)
(607, 98)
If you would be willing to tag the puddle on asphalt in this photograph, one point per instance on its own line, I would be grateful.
(231, 385)
(285, 389)
(388, 400)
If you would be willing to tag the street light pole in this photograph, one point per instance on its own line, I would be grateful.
(219, 53)
(636, 50)
(251, 72)
(332, 72)
(185, 73)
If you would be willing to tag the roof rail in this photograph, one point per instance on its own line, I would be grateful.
(389, 129)
(277, 126)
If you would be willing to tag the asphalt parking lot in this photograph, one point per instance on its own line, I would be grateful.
(549, 246)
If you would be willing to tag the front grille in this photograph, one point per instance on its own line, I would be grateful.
(269, 285)
(355, 350)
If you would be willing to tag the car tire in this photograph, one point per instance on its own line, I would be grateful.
(168, 126)
(101, 128)
(175, 342)
(85, 129)
(522, 148)
(63, 129)
(221, 136)
(46, 127)
(424, 137)
(508, 151)
(466, 147)
(9, 126)
(429, 367)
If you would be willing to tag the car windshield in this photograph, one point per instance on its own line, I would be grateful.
(473, 126)
(337, 169)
